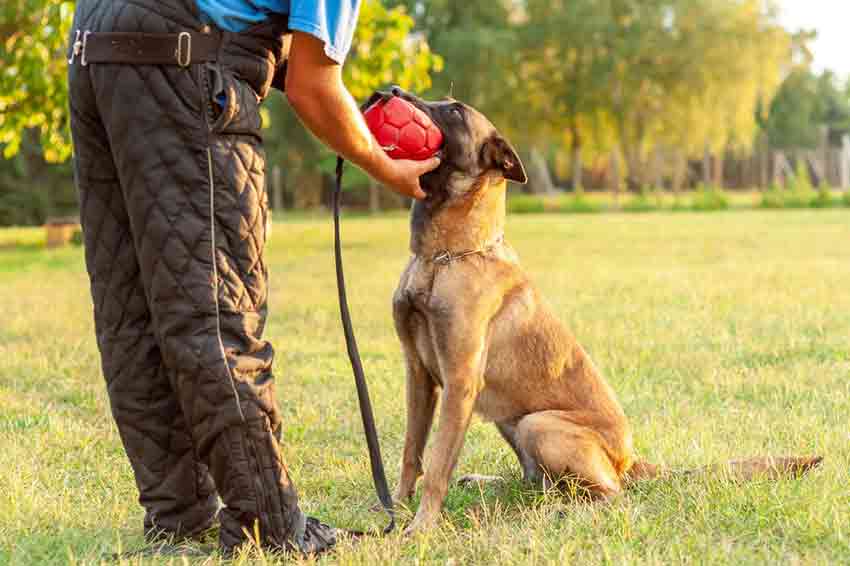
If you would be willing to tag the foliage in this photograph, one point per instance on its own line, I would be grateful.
(580, 204)
(385, 51)
(797, 195)
(574, 81)
(701, 200)
(802, 182)
(708, 199)
(774, 197)
(806, 105)
(33, 52)
(642, 201)
(798, 199)
(32, 189)
(573, 203)
(824, 198)
(680, 204)
(595, 76)
(637, 75)
(478, 44)
(524, 204)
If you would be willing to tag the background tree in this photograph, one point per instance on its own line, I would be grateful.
(566, 73)
(385, 51)
(595, 89)
(33, 42)
(34, 37)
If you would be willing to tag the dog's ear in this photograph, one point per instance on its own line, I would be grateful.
(498, 154)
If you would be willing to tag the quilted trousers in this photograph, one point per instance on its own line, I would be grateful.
(174, 209)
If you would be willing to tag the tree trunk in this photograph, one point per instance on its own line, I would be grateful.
(657, 176)
(718, 169)
(277, 190)
(308, 190)
(539, 179)
(578, 187)
(679, 170)
(706, 167)
(657, 168)
(823, 158)
(616, 178)
(764, 163)
(374, 197)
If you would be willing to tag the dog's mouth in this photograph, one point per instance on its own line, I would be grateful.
(430, 109)
(417, 102)
(411, 98)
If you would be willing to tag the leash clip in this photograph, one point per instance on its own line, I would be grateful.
(184, 57)
(444, 258)
(78, 48)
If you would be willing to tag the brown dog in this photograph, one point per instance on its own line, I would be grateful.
(473, 325)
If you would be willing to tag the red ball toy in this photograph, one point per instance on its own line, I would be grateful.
(404, 131)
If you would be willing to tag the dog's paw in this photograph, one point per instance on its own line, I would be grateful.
(476, 479)
(421, 524)
(397, 504)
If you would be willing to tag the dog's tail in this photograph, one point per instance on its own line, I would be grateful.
(766, 467)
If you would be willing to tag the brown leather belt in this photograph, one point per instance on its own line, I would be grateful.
(183, 49)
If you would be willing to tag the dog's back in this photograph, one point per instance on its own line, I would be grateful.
(474, 327)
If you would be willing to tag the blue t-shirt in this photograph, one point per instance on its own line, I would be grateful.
(332, 21)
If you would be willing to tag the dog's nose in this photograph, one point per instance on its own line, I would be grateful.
(396, 90)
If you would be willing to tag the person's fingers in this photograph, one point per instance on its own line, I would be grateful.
(429, 164)
(418, 193)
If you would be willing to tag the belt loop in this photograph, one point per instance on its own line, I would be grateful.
(83, 60)
(184, 58)
(75, 48)
(78, 48)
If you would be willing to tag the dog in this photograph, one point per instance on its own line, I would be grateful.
(476, 332)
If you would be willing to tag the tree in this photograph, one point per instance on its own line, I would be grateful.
(385, 51)
(805, 104)
(34, 125)
(636, 76)
(566, 73)
(478, 44)
(33, 42)
(795, 113)
(34, 37)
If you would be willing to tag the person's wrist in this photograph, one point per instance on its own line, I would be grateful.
(380, 166)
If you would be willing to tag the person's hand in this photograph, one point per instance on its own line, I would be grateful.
(403, 176)
(316, 92)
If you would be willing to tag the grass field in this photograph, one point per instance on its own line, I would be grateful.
(724, 334)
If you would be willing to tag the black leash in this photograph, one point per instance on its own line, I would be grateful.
(378, 475)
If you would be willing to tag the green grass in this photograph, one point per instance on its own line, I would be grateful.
(700, 200)
(724, 335)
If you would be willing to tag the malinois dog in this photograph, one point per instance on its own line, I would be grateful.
(473, 326)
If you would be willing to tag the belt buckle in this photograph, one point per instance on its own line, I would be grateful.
(78, 48)
(184, 56)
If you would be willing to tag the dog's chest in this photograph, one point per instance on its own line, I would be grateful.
(410, 306)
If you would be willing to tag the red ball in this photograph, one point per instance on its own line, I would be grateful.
(404, 131)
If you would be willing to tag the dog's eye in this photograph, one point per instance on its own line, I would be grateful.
(456, 112)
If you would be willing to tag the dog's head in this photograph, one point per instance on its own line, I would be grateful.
(472, 148)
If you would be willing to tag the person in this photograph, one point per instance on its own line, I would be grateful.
(170, 169)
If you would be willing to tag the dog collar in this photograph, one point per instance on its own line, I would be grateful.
(445, 257)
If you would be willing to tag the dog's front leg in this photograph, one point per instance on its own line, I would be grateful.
(421, 402)
(421, 399)
(462, 381)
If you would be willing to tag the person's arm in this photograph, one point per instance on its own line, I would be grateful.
(316, 92)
